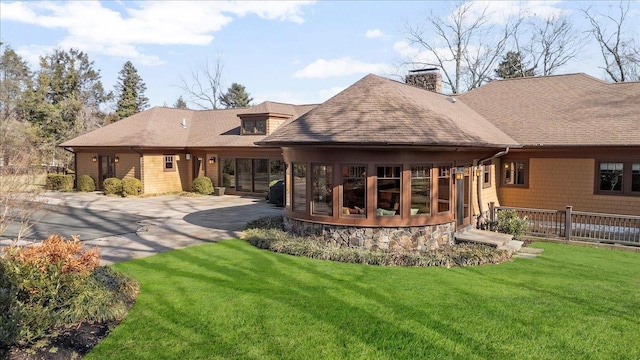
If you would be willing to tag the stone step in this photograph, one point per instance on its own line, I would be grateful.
(529, 250)
(483, 237)
(525, 255)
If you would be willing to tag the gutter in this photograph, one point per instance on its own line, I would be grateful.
(479, 183)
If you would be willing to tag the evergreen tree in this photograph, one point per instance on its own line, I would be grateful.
(130, 91)
(15, 80)
(235, 97)
(180, 103)
(512, 67)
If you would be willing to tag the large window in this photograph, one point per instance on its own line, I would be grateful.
(260, 175)
(389, 190)
(299, 174)
(514, 173)
(420, 190)
(444, 188)
(243, 175)
(169, 163)
(229, 173)
(618, 178)
(322, 187)
(276, 170)
(354, 190)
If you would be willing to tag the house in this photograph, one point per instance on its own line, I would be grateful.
(385, 164)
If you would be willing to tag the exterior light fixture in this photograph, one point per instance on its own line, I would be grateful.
(459, 173)
(116, 160)
(94, 159)
(479, 170)
(187, 156)
(212, 160)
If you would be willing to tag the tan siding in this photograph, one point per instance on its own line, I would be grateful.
(489, 194)
(159, 181)
(86, 166)
(128, 165)
(273, 124)
(556, 183)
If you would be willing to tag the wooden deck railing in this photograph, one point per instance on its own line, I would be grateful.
(578, 225)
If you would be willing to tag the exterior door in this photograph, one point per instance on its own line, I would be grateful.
(106, 167)
(463, 196)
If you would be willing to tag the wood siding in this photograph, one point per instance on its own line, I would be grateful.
(158, 181)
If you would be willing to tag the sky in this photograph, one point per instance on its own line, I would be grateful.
(296, 52)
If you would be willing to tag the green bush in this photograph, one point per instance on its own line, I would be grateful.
(266, 222)
(226, 180)
(131, 187)
(447, 256)
(510, 223)
(203, 185)
(59, 182)
(57, 283)
(112, 186)
(86, 183)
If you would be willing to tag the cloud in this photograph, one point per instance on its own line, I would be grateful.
(375, 33)
(345, 66)
(92, 26)
(499, 12)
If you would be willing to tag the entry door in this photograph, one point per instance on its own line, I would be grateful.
(107, 167)
(463, 196)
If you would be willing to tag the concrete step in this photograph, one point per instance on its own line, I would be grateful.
(483, 237)
(525, 255)
(512, 246)
(529, 250)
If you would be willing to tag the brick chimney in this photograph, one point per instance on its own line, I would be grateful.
(429, 79)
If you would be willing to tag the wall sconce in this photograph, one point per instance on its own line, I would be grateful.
(94, 159)
(187, 156)
(116, 160)
(459, 173)
(212, 160)
(479, 170)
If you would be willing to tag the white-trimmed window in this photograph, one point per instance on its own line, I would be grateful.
(169, 162)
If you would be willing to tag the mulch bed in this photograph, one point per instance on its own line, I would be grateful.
(72, 342)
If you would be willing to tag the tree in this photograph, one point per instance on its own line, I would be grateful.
(180, 103)
(466, 46)
(235, 97)
(552, 43)
(204, 84)
(512, 67)
(15, 80)
(130, 90)
(620, 53)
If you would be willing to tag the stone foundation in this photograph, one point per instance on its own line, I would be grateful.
(427, 237)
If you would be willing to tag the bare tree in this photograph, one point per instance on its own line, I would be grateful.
(619, 51)
(466, 46)
(203, 85)
(553, 42)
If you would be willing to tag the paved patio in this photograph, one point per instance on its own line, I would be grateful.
(161, 223)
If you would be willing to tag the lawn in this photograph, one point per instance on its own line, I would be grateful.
(229, 300)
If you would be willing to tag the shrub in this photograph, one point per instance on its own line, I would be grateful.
(57, 283)
(448, 256)
(510, 223)
(226, 180)
(59, 182)
(203, 185)
(112, 186)
(86, 183)
(131, 187)
(267, 222)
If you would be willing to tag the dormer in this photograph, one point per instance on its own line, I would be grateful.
(264, 118)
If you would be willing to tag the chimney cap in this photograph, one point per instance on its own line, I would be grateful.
(424, 70)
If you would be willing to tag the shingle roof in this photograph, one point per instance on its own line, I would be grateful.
(572, 110)
(162, 127)
(380, 111)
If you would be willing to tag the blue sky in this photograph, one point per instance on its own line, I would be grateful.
(297, 52)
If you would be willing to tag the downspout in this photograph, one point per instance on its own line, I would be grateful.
(479, 183)
(75, 167)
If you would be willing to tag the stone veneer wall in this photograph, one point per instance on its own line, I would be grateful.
(408, 238)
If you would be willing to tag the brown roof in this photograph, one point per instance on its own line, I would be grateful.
(162, 127)
(380, 111)
(574, 109)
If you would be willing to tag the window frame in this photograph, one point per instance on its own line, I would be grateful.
(627, 178)
(503, 173)
(172, 162)
(394, 167)
(364, 178)
(328, 196)
(486, 174)
(295, 189)
(451, 176)
(254, 127)
(429, 176)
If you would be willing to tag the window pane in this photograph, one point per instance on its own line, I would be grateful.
(444, 188)
(389, 191)
(322, 190)
(299, 187)
(243, 175)
(420, 190)
(260, 175)
(276, 170)
(611, 176)
(519, 173)
(635, 177)
(354, 186)
(261, 127)
(229, 173)
(514, 173)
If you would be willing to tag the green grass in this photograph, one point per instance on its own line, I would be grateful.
(230, 300)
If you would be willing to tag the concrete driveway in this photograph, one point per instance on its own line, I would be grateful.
(130, 228)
